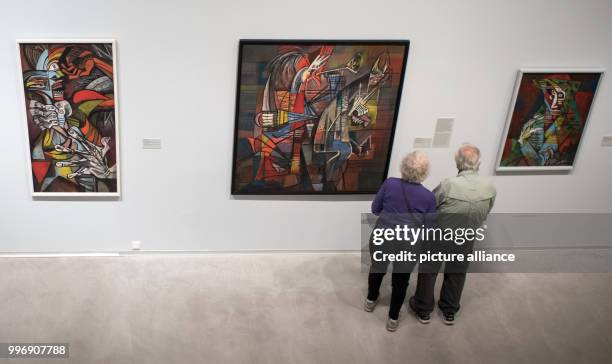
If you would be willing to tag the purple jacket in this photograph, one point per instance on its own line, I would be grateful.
(398, 196)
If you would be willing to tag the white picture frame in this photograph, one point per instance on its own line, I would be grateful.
(521, 72)
(24, 118)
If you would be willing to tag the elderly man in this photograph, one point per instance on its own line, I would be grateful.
(463, 201)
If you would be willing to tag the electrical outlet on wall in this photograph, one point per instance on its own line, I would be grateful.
(136, 245)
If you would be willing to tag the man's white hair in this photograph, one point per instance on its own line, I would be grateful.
(467, 157)
(415, 167)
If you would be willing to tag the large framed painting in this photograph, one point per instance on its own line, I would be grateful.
(70, 107)
(547, 119)
(315, 117)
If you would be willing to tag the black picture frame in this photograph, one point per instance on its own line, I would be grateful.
(244, 42)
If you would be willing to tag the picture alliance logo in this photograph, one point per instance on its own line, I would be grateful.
(440, 257)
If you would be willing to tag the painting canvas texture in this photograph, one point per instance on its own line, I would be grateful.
(71, 120)
(316, 117)
(548, 119)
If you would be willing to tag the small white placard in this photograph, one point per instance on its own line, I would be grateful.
(422, 142)
(441, 140)
(445, 125)
(606, 141)
(444, 131)
(151, 143)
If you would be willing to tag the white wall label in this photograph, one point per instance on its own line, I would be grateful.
(442, 135)
(151, 144)
(422, 142)
(444, 125)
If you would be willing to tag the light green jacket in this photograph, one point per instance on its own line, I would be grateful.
(465, 200)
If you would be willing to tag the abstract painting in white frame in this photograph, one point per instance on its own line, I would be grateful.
(547, 119)
(69, 93)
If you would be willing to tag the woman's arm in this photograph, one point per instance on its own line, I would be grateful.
(377, 204)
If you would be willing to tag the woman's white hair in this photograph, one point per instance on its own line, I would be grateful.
(415, 167)
(467, 157)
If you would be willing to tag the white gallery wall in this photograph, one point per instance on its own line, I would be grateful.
(176, 81)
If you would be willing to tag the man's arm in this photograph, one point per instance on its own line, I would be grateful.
(492, 202)
(440, 193)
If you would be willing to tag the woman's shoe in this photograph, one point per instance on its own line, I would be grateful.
(369, 305)
(392, 324)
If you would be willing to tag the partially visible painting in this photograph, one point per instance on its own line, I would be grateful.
(71, 112)
(547, 119)
(316, 117)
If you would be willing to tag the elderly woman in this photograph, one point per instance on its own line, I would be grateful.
(398, 196)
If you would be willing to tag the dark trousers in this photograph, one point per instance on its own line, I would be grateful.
(452, 286)
(399, 278)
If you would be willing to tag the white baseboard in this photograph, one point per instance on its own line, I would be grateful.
(164, 252)
(58, 255)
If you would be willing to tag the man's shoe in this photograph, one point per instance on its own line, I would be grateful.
(369, 305)
(448, 318)
(392, 324)
(423, 317)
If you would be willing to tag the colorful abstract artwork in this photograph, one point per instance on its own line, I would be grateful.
(316, 117)
(69, 91)
(547, 119)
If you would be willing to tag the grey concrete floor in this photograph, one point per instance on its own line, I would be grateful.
(289, 308)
